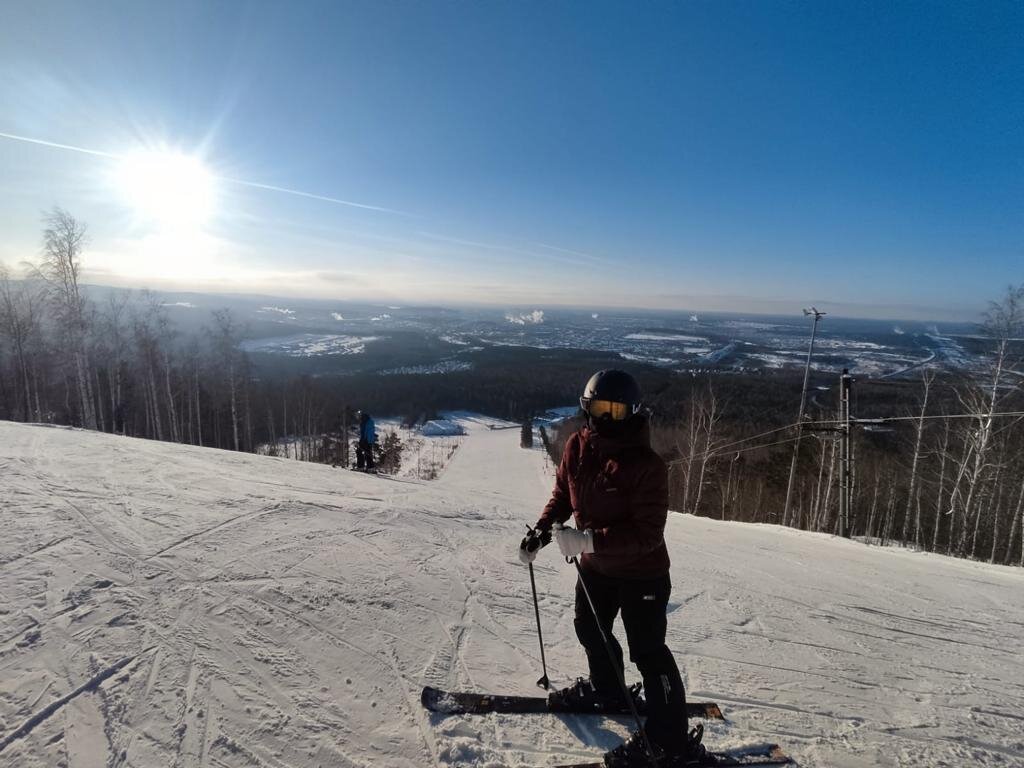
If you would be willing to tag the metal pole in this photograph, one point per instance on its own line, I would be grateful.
(543, 682)
(845, 383)
(615, 663)
(800, 414)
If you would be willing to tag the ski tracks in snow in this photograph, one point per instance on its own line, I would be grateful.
(172, 606)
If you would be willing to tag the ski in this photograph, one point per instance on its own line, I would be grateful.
(771, 754)
(468, 703)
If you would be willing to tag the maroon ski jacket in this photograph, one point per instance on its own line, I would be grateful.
(617, 487)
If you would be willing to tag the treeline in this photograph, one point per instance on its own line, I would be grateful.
(946, 473)
(121, 366)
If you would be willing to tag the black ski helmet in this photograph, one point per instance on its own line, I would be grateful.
(614, 386)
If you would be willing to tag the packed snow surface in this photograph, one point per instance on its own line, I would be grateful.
(441, 428)
(165, 605)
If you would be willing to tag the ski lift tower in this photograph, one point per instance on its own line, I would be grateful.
(808, 312)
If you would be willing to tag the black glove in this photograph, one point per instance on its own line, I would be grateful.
(532, 543)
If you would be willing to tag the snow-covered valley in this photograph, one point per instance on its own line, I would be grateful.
(165, 605)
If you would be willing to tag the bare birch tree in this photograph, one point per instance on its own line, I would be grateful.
(64, 237)
(927, 377)
(708, 413)
(1018, 524)
(943, 453)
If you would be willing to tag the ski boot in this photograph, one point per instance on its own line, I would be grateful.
(695, 753)
(633, 753)
(581, 696)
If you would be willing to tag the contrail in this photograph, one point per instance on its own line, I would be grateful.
(55, 145)
(255, 185)
(311, 196)
(600, 259)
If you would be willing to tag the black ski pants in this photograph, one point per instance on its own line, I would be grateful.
(364, 455)
(642, 604)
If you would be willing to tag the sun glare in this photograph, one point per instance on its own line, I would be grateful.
(170, 188)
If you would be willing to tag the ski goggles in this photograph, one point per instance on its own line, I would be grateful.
(602, 409)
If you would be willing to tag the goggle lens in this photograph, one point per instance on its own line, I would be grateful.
(600, 409)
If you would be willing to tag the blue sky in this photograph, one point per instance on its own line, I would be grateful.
(686, 155)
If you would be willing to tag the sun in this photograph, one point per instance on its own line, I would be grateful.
(170, 188)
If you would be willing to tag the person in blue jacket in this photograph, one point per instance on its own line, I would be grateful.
(367, 439)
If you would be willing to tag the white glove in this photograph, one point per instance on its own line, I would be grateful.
(526, 556)
(573, 542)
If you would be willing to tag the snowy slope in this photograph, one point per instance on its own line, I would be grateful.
(165, 605)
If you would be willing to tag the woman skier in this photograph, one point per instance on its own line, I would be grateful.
(616, 488)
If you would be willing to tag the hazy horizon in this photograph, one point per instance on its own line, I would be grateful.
(733, 305)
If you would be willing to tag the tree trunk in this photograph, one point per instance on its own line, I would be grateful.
(28, 395)
(927, 382)
(113, 396)
(1018, 523)
(189, 420)
(815, 510)
(869, 531)
(234, 406)
(994, 492)
(155, 401)
(890, 510)
(88, 415)
(943, 452)
(24, 378)
(822, 522)
(693, 429)
(995, 525)
(957, 522)
(199, 410)
(67, 396)
(917, 520)
(148, 410)
(172, 413)
(248, 421)
(100, 418)
(35, 388)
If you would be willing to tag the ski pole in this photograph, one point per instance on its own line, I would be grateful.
(615, 663)
(543, 682)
